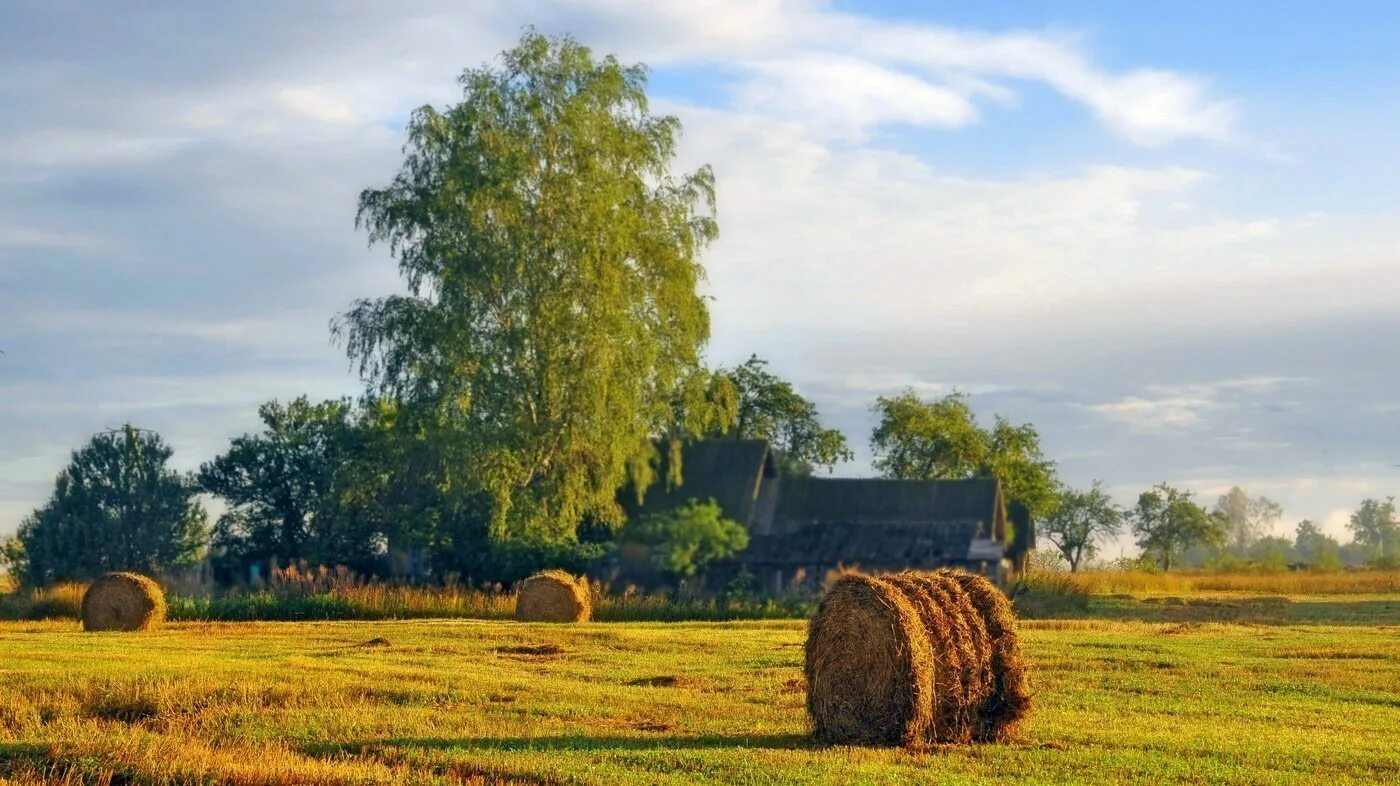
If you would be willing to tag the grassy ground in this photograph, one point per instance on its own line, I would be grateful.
(1293, 697)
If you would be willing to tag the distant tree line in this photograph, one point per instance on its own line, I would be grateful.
(1173, 530)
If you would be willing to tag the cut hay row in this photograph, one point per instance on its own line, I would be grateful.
(124, 602)
(914, 659)
(553, 596)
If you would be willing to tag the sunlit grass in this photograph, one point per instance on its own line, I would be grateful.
(481, 701)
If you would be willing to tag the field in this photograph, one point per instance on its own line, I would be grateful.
(1276, 690)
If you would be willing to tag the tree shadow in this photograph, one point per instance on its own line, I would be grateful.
(580, 742)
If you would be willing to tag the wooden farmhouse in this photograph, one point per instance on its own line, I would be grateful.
(800, 528)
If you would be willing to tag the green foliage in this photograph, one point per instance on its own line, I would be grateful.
(1374, 527)
(116, 506)
(769, 408)
(551, 261)
(687, 538)
(1080, 520)
(1166, 522)
(1246, 519)
(928, 440)
(1271, 553)
(279, 484)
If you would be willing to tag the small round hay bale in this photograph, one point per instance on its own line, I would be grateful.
(123, 601)
(950, 716)
(1010, 698)
(869, 667)
(553, 596)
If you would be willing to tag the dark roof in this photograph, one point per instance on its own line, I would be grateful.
(901, 545)
(729, 471)
(820, 501)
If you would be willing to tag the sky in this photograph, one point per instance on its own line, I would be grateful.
(1164, 234)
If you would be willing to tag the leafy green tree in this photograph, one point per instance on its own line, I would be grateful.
(550, 255)
(1271, 552)
(770, 409)
(117, 506)
(1080, 521)
(1374, 526)
(687, 538)
(1315, 548)
(940, 439)
(1167, 522)
(1247, 519)
(278, 484)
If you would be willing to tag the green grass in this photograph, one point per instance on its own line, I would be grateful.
(1174, 699)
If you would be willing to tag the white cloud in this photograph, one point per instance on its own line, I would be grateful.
(317, 105)
(1166, 408)
(850, 95)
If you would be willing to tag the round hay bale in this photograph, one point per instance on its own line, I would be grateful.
(553, 596)
(123, 601)
(975, 646)
(1010, 699)
(869, 667)
(950, 715)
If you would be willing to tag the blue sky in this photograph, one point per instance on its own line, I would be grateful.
(1164, 234)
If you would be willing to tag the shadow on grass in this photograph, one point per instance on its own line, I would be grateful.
(1263, 610)
(580, 742)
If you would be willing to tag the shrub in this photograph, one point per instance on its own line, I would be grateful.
(687, 538)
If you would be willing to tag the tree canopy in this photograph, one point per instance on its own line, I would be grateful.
(940, 439)
(1080, 521)
(279, 482)
(116, 506)
(769, 408)
(1375, 527)
(551, 257)
(1246, 518)
(1167, 522)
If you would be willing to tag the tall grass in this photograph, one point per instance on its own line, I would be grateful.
(57, 602)
(320, 594)
(1362, 582)
(299, 594)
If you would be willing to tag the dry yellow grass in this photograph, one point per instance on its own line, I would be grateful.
(1294, 583)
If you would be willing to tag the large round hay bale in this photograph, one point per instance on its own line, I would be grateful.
(973, 643)
(123, 601)
(869, 667)
(553, 596)
(1010, 698)
(950, 714)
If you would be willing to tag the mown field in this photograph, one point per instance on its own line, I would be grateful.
(1272, 691)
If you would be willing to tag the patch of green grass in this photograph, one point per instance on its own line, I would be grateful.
(1117, 700)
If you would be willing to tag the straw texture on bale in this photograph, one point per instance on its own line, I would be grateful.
(1009, 699)
(123, 601)
(553, 596)
(955, 657)
(869, 666)
(976, 646)
(950, 716)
